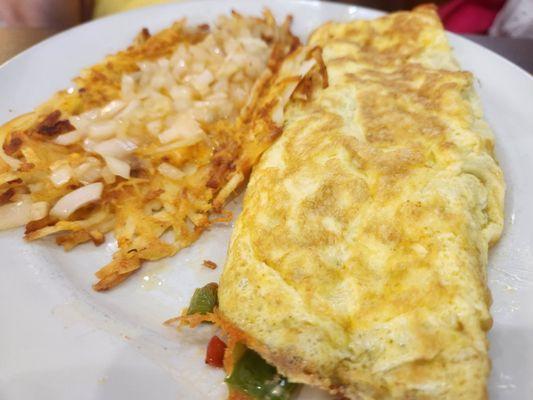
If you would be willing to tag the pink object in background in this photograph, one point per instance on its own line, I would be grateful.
(469, 16)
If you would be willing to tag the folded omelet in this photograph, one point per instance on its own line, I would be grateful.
(359, 261)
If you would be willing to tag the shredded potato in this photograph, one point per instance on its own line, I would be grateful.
(163, 134)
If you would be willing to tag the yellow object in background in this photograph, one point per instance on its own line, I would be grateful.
(106, 7)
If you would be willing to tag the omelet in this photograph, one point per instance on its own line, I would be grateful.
(150, 143)
(358, 264)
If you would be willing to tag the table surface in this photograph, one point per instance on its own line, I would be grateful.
(519, 51)
(15, 40)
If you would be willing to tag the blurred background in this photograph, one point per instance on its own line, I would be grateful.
(24, 22)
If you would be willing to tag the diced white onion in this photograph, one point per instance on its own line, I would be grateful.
(102, 130)
(108, 176)
(76, 199)
(202, 81)
(82, 121)
(61, 175)
(118, 148)
(118, 167)
(88, 172)
(252, 44)
(180, 92)
(154, 127)
(38, 210)
(88, 144)
(127, 86)
(78, 122)
(36, 186)
(179, 66)
(170, 171)
(185, 128)
(159, 81)
(129, 109)
(69, 138)
(112, 108)
(145, 66)
(90, 115)
(15, 214)
(21, 212)
(163, 63)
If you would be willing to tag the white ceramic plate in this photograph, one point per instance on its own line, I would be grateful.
(60, 340)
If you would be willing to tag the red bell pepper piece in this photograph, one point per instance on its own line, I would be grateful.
(215, 352)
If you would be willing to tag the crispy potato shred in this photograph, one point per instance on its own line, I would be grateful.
(102, 157)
